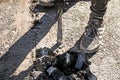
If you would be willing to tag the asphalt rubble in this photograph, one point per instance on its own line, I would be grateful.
(70, 65)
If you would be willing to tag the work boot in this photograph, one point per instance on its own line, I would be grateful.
(37, 5)
(91, 38)
(46, 3)
(50, 3)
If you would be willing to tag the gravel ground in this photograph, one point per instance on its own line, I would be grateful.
(19, 39)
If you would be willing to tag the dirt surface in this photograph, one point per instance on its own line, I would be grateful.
(19, 39)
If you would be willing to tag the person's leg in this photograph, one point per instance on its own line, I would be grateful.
(98, 8)
(94, 28)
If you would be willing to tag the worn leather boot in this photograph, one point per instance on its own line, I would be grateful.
(46, 3)
(91, 39)
(50, 3)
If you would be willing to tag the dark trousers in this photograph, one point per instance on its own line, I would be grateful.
(98, 8)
